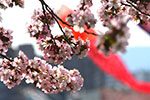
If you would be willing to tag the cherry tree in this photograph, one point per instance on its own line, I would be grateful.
(114, 15)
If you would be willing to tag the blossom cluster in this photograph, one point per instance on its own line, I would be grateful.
(82, 17)
(5, 40)
(143, 6)
(62, 48)
(116, 11)
(112, 9)
(10, 3)
(137, 10)
(38, 27)
(115, 39)
(56, 48)
(49, 79)
(86, 2)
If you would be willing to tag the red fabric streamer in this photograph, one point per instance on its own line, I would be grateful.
(112, 65)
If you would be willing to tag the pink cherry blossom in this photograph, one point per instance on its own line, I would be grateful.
(5, 40)
(82, 17)
(38, 27)
(114, 40)
(10, 3)
(49, 79)
(114, 15)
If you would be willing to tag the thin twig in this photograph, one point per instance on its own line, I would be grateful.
(59, 18)
(65, 37)
(91, 33)
(126, 4)
(56, 19)
(43, 2)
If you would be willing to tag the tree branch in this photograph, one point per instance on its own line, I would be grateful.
(4, 56)
(44, 12)
(91, 33)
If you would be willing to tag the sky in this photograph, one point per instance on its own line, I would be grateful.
(137, 58)
(17, 18)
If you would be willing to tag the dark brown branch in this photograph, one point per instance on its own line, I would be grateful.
(126, 4)
(44, 12)
(53, 15)
(4, 56)
(65, 37)
(59, 18)
(91, 33)
(43, 3)
(56, 19)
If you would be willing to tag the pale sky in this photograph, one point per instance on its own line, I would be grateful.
(16, 19)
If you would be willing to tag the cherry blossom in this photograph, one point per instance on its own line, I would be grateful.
(114, 40)
(49, 79)
(112, 9)
(10, 3)
(86, 2)
(140, 11)
(5, 40)
(114, 14)
(60, 50)
(115, 9)
(82, 17)
(38, 27)
(56, 48)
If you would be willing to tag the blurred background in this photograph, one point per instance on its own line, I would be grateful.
(97, 84)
